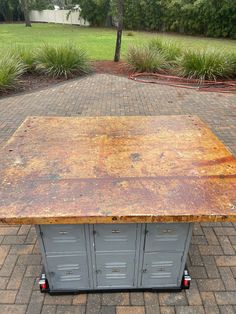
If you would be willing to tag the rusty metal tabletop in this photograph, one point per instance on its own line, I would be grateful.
(116, 170)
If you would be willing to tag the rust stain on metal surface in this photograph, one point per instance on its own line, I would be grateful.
(116, 169)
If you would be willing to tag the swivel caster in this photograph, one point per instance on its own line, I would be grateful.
(43, 284)
(186, 280)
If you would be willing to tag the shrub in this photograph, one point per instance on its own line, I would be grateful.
(144, 59)
(129, 33)
(205, 65)
(61, 61)
(11, 68)
(171, 50)
(27, 56)
(232, 57)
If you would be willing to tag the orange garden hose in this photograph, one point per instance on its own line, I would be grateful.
(170, 80)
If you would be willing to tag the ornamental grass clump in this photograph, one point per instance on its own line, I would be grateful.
(130, 33)
(232, 57)
(11, 68)
(27, 56)
(205, 65)
(66, 60)
(171, 50)
(144, 59)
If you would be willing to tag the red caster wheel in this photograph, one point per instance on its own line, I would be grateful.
(186, 280)
(43, 284)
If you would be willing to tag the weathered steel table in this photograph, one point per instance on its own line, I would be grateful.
(114, 198)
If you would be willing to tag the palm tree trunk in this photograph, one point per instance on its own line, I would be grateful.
(26, 13)
(120, 4)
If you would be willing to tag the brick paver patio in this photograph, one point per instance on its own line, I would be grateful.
(212, 258)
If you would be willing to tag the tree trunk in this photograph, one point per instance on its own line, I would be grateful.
(120, 7)
(26, 13)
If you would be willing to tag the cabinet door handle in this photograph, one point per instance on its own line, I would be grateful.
(144, 270)
(115, 270)
(63, 232)
(167, 231)
(115, 231)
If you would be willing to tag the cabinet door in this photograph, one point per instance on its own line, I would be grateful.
(160, 269)
(166, 237)
(114, 270)
(68, 272)
(63, 239)
(115, 237)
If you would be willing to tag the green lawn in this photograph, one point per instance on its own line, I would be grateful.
(99, 43)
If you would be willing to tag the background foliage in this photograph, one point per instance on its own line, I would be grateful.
(214, 18)
(11, 10)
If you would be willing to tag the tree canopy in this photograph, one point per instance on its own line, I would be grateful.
(12, 10)
(9, 10)
(215, 18)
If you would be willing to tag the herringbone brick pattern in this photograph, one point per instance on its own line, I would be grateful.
(212, 256)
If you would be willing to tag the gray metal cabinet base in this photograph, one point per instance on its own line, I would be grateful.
(114, 256)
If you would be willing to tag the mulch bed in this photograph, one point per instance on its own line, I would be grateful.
(111, 67)
(31, 82)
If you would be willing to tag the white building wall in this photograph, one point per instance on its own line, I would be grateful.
(58, 17)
